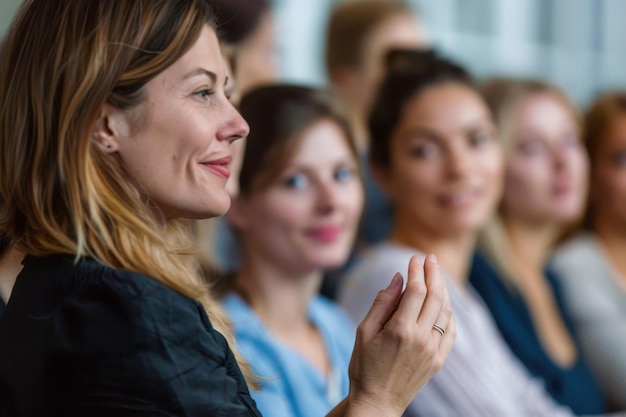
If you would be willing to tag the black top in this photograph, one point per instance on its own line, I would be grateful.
(87, 340)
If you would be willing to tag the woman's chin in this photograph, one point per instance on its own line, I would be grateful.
(219, 206)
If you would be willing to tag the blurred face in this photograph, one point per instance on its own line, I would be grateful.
(176, 144)
(608, 180)
(308, 218)
(401, 31)
(546, 166)
(446, 164)
(256, 56)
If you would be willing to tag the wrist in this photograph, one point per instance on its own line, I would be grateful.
(362, 404)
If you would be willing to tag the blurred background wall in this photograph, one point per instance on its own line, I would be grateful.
(578, 44)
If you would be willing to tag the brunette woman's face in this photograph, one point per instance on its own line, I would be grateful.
(445, 172)
(307, 219)
(608, 179)
(546, 165)
(176, 144)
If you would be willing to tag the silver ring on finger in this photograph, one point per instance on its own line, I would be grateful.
(439, 328)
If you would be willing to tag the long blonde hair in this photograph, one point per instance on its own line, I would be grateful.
(503, 96)
(60, 62)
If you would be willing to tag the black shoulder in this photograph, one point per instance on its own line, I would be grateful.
(82, 334)
(93, 307)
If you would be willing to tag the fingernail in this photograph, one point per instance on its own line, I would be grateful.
(433, 258)
(397, 279)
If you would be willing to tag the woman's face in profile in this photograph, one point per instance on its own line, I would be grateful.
(546, 165)
(176, 144)
(445, 170)
(608, 180)
(307, 219)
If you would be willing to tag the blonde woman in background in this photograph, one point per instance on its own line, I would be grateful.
(544, 193)
(592, 266)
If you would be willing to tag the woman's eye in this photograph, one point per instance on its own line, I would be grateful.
(423, 151)
(204, 93)
(479, 139)
(620, 158)
(297, 181)
(530, 148)
(343, 174)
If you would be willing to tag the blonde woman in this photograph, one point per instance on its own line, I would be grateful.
(114, 126)
(544, 193)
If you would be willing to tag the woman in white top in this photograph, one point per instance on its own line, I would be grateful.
(436, 153)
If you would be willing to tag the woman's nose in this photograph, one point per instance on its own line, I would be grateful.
(327, 196)
(233, 126)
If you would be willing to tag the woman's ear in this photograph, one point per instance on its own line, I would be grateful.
(109, 128)
(238, 214)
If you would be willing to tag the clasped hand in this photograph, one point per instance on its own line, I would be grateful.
(397, 348)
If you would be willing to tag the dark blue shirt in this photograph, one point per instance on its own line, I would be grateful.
(574, 387)
(83, 339)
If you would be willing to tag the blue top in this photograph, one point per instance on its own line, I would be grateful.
(83, 339)
(292, 386)
(574, 387)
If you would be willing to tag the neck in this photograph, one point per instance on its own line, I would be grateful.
(454, 253)
(10, 267)
(530, 246)
(280, 297)
(610, 232)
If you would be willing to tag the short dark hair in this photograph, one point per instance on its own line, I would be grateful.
(409, 72)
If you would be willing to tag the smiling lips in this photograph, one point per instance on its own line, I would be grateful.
(326, 234)
(219, 167)
(459, 199)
